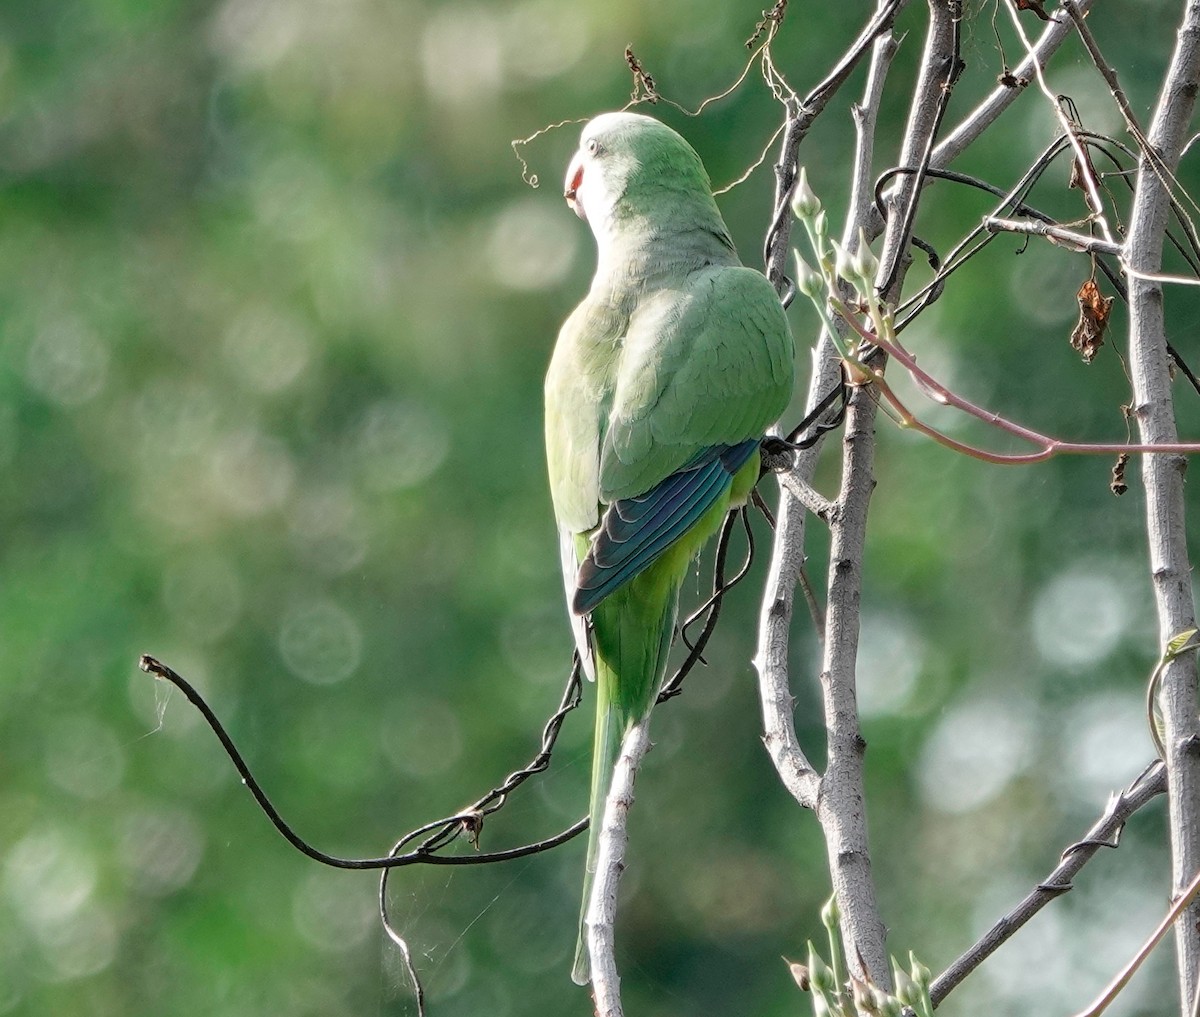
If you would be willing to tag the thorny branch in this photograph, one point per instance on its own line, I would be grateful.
(837, 796)
(787, 558)
(1105, 832)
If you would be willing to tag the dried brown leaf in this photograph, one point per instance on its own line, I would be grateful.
(1117, 485)
(643, 82)
(1094, 309)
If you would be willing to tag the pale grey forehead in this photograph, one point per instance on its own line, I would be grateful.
(616, 123)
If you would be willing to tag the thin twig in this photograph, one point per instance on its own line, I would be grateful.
(1086, 177)
(449, 828)
(940, 68)
(1113, 989)
(760, 47)
(809, 497)
(1107, 71)
(1078, 242)
(1013, 200)
(999, 99)
(801, 115)
(1105, 832)
(610, 863)
(1109, 74)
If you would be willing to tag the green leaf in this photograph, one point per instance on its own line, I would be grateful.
(1178, 644)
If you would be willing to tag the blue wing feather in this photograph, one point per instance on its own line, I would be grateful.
(636, 531)
(635, 556)
(634, 519)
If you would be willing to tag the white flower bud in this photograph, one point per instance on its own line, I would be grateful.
(808, 281)
(844, 263)
(805, 203)
(831, 914)
(920, 973)
(866, 264)
(906, 989)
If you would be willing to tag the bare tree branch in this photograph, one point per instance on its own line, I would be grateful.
(940, 67)
(1163, 475)
(1086, 176)
(808, 496)
(787, 552)
(841, 806)
(1076, 13)
(1001, 97)
(610, 863)
(1105, 832)
(1055, 234)
(800, 117)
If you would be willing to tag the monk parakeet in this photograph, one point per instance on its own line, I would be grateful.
(662, 384)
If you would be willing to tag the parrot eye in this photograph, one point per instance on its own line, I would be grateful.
(592, 146)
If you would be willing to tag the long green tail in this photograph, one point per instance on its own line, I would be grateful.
(606, 748)
(631, 634)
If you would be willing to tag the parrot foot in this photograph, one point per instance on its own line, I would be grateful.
(778, 454)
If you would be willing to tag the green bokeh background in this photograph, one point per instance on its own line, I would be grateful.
(275, 305)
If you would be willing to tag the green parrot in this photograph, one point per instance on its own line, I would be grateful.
(662, 384)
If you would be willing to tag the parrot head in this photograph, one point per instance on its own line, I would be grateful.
(625, 164)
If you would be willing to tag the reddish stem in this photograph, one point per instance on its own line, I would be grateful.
(1048, 446)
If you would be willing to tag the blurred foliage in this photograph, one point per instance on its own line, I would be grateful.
(275, 306)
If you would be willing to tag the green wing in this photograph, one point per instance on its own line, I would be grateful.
(707, 365)
(579, 387)
(632, 399)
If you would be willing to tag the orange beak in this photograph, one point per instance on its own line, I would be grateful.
(571, 192)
